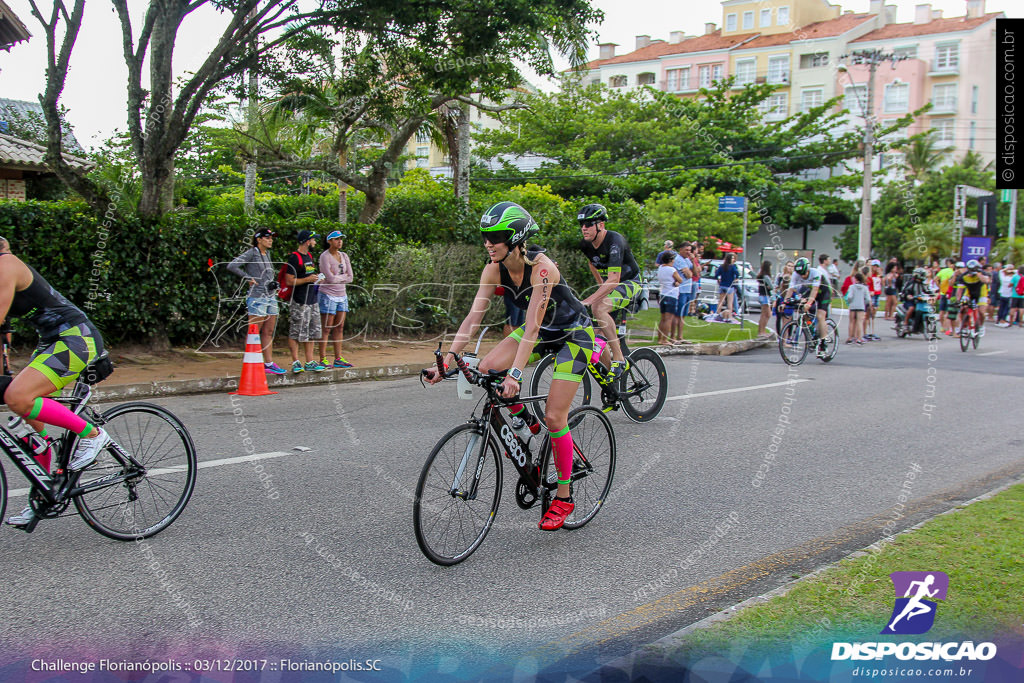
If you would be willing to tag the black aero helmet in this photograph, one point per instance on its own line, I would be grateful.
(592, 212)
(508, 222)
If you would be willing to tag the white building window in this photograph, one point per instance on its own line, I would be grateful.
(766, 17)
(422, 137)
(974, 99)
(944, 131)
(748, 20)
(645, 79)
(774, 107)
(716, 72)
(944, 97)
(618, 81)
(778, 69)
(704, 76)
(897, 98)
(730, 22)
(782, 16)
(423, 157)
(811, 97)
(909, 52)
(746, 70)
(814, 59)
(970, 142)
(678, 79)
(947, 57)
(855, 98)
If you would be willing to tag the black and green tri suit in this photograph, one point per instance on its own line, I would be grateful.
(68, 340)
(565, 329)
(615, 256)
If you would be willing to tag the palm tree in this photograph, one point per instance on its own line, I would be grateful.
(974, 161)
(923, 157)
(929, 241)
(1009, 252)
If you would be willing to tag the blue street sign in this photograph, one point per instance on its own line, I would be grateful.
(732, 204)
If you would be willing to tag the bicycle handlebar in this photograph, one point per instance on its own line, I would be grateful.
(473, 376)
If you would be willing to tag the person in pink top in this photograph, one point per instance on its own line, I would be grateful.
(333, 298)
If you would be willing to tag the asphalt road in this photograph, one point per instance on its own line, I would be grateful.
(311, 554)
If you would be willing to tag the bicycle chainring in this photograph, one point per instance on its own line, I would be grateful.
(44, 509)
(526, 496)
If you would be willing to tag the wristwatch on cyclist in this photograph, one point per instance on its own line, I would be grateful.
(516, 374)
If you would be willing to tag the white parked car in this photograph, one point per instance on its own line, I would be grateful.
(747, 285)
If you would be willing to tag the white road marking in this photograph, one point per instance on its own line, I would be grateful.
(990, 353)
(737, 389)
(203, 465)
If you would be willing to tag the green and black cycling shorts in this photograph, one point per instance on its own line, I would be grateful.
(624, 294)
(62, 358)
(572, 347)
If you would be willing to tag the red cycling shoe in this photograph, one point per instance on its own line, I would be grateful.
(554, 518)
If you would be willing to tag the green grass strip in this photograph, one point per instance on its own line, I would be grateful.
(979, 546)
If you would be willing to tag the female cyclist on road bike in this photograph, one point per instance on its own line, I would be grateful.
(68, 342)
(556, 322)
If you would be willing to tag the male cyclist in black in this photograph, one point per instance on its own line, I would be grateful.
(617, 275)
(813, 286)
(971, 286)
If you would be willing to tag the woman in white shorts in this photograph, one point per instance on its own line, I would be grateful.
(333, 299)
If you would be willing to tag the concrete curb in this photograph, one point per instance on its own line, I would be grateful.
(205, 385)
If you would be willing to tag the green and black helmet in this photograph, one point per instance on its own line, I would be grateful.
(920, 274)
(508, 222)
(802, 267)
(592, 213)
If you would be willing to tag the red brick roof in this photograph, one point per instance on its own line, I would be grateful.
(709, 41)
(819, 29)
(935, 26)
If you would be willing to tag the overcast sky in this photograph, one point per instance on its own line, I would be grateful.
(95, 92)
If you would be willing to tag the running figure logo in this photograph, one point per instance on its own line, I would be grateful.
(914, 613)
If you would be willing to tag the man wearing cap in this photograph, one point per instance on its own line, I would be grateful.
(303, 318)
(255, 267)
(333, 299)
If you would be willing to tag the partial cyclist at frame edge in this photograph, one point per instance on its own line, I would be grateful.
(68, 343)
(556, 322)
(813, 285)
(616, 273)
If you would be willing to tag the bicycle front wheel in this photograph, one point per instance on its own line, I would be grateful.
(793, 344)
(644, 386)
(144, 504)
(931, 329)
(540, 385)
(593, 463)
(457, 495)
(831, 341)
(3, 493)
(965, 337)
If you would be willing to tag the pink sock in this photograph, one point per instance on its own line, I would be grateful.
(53, 413)
(561, 446)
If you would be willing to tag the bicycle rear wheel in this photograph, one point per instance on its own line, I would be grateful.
(449, 526)
(145, 504)
(793, 344)
(540, 385)
(644, 387)
(831, 341)
(593, 463)
(3, 494)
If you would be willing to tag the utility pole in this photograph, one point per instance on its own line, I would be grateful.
(872, 58)
(1013, 216)
(250, 166)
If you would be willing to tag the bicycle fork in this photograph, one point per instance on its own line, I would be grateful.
(456, 491)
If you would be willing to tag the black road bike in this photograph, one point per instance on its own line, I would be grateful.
(136, 487)
(640, 391)
(459, 489)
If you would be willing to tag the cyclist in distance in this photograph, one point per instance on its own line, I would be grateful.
(556, 322)
(617, 275)
(813, 286)
(68, 342)
(971, 285)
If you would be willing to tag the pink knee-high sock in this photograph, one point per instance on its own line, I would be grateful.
(53, 413)
(561, 446)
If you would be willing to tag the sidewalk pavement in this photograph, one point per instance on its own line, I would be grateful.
(186, 371)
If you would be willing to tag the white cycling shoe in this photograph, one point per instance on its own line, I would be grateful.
(87, 450)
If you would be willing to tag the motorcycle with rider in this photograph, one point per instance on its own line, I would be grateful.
(916, 314)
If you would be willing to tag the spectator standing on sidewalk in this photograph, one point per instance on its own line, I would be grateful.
(1005, 295)
(891, 284)
(871, 275)
(945, 279)
(683, 263)
(995, 276)
(1017, 298)
(857, 298)
(303, 316)
(666, 249)
(726, 276)
(333, 298)
(255, 266)
(669, 280)
(765, 285)
(698, 254)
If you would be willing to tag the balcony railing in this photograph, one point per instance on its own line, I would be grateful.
(678, 86)
(944, 105)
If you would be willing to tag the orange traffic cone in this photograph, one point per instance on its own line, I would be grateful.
(254, 380)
